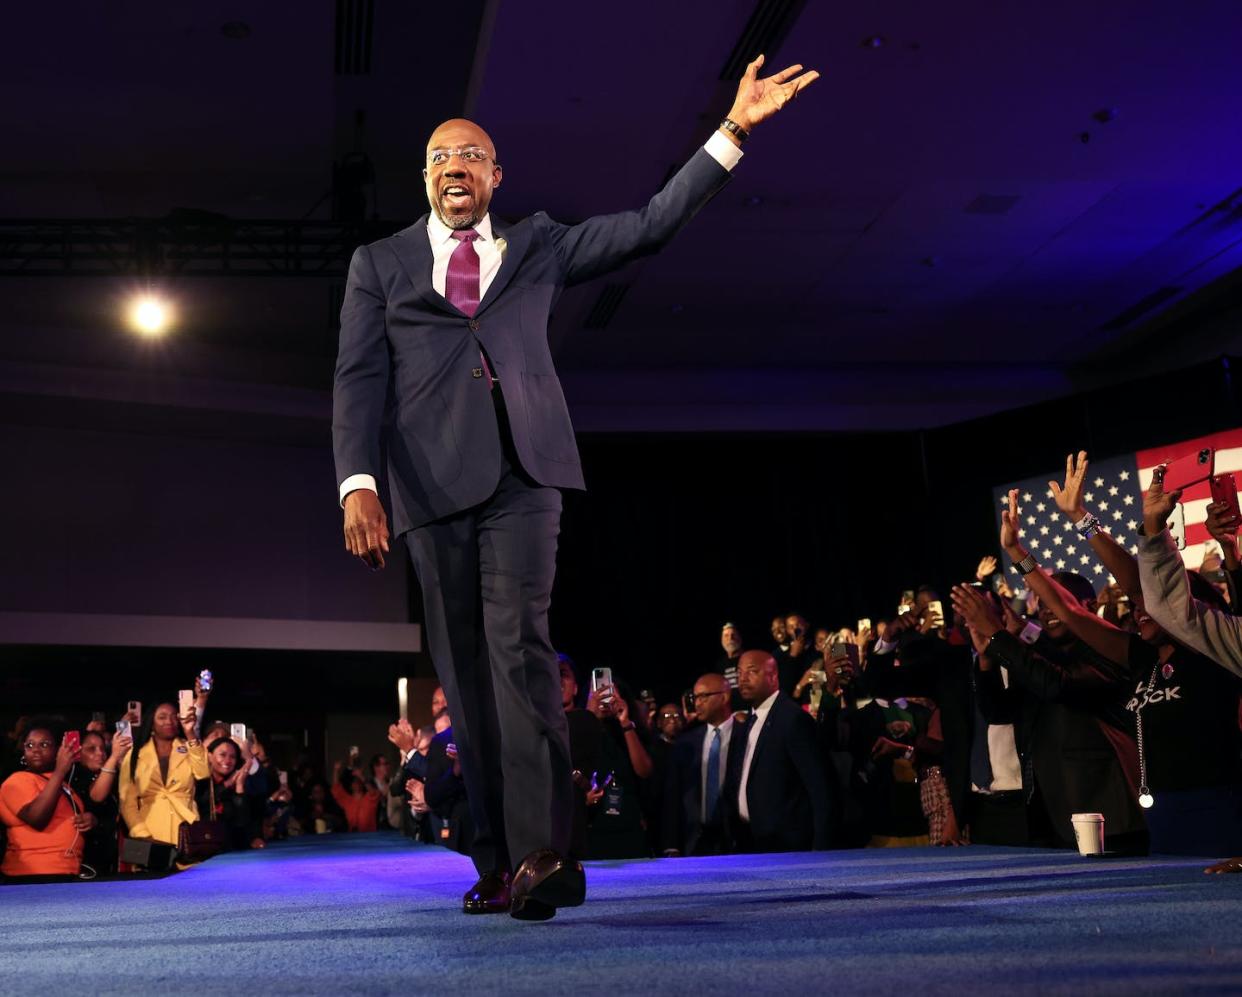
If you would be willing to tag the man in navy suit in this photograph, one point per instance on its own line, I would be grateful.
(778, 793)
(694, 804)
(444, 363)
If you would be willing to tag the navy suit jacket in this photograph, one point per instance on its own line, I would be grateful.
(683, 790)
(789, 798)
(409, 361)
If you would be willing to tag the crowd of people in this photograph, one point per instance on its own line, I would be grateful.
(988, 717)
(163, 789)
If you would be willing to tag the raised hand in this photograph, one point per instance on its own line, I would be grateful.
(1069, 497)
(986, 569)
(1009, 528)
(980, 615)
(189, 721)
(1158, 504)
(758, 99)
(120, 745)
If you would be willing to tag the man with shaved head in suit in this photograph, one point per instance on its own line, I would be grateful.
(444, 364)
(780, 797)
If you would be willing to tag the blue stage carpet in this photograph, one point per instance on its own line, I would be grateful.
(373, 914)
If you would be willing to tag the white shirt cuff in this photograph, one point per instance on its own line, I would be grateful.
(356, 481)
(885, 646)
(723, 151)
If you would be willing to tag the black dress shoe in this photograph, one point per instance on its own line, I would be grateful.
(490, 895)
(545, 881)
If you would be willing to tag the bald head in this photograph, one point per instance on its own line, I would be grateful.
(757, 676)
(711, 698)
(461, 172)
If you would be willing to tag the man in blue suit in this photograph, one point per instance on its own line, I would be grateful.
(695, 808)
(444, 363)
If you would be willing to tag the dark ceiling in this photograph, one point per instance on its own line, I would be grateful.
(980, 204)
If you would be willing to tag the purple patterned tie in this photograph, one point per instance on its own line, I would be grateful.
(461, 286)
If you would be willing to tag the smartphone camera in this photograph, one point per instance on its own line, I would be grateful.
(1205, 455)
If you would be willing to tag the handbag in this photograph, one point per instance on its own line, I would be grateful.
(204, 838)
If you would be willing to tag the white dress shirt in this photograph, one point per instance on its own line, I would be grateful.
(718, 147)
(756, 725)
(1003, 754)
(726, 731)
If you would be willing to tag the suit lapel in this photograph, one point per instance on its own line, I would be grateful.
(412, 248)
(765, 733)
(517, 242)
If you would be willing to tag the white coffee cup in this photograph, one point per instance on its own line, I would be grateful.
(1089, 833)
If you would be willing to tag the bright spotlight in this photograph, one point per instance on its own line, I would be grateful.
(149, 316)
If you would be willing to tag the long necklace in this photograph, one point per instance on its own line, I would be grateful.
(1146, 800)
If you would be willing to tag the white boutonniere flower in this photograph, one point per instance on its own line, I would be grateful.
(502, 244)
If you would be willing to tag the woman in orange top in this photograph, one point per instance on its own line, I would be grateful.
(360, 802)
(44, 817)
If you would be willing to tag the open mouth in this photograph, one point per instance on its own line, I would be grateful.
(456, 196)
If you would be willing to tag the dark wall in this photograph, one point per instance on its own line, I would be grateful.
(676, 535)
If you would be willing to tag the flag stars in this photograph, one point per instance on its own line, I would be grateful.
(1113, 490)
(1021, 534)
(1030, 520)
(1125, 475)
(1103, 507)
(1128, 499)
(1134, 548)
(1043, 531)
(1060, 564)
(1048, 493)
(1099, 482)
(1084, 559)
(1026, 496)
(1098, 569)
(1090, 497)
(1058, 540)
(1132, 525)
(1116, 514)
(1071, 550)
(1041, 507)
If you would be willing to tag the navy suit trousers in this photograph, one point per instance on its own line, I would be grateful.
(486, 575)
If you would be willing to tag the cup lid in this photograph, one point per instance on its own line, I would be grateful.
(1086, 816)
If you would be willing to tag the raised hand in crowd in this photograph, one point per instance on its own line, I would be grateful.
(189, 724)
(403, 736)
(1158, 504)
(1068, 494)
(1222, 526)
(986, 568)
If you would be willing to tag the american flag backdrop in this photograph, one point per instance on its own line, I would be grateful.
(1113, 490)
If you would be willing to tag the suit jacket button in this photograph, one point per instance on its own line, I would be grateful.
(476, 372)
(474, 325)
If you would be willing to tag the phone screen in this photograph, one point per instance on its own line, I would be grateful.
(73, 740)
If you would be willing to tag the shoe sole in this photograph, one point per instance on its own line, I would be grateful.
(530, 909)
(484, 910)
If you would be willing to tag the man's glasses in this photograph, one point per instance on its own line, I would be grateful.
(694, 697)
(45, 745)
(470, 153)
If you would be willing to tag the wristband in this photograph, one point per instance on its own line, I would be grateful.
(107, 771)
(1027, 565)
(732, 126)
(626, 730)
(1088, 526)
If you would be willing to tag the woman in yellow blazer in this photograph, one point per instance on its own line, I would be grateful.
(157, 779)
